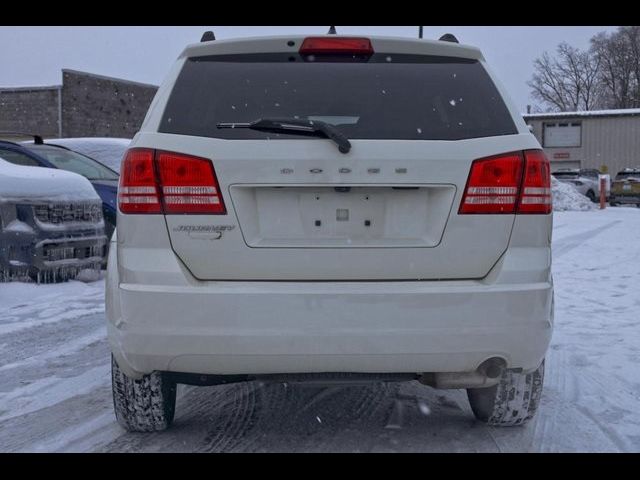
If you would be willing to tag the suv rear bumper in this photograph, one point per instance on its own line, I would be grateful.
(305, 327)
(622, 198)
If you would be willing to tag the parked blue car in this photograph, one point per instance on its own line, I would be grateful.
(40, 154)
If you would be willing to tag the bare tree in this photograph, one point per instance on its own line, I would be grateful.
(593, 92)
(631, 40)
(569, 81)
(605, 76)
(619, 56)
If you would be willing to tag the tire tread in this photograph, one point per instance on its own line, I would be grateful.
(144, 405)
(513, 401)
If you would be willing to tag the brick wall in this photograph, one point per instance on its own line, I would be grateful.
(92, 106)
(97, 106)
(29, 110)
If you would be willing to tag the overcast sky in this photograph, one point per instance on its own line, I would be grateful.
(33, 56)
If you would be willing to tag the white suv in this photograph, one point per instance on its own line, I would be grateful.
(585, 181)
(331, 209)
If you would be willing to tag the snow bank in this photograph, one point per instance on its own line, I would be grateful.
(20, 183)
(88, 275)
(566, 197)
(108, 151)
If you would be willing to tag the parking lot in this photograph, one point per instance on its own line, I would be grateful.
(55, 392)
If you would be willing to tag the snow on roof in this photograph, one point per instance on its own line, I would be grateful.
(106, 150)
(106, 77)
(21, 183)
(590, 113)
(30, 89)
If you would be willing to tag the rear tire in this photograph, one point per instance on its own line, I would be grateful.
(591, 195)
(513, 401)
(145, 405)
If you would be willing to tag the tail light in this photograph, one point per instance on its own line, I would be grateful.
(138, 189)
(336, 46)
(536, 185)
(154, 181)
(189, 184)
(516, 182)
(493, 184)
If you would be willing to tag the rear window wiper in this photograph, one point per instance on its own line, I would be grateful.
(296, 126)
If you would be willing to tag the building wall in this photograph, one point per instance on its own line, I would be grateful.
(97, 106)
(560, 157)
(29, 110)
(613, 141)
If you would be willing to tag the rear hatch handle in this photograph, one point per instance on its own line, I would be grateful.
(296, 126)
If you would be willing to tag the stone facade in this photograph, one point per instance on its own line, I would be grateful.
(97, 106)
(32, 110)
(85, 105)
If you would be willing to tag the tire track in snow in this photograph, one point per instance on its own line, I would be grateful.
(604, 428)
(81, 437)
(352, 411)
(71, 313)
(547, 415)
(300, 417)
(616, 398)
(73, 346)
(228, 432)
(50, 391)
(568, 243)
(562, 415)
(271, 398)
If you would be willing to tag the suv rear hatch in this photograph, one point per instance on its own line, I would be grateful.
(627, 184)
(299, 209)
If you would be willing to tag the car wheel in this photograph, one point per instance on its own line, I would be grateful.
(513, 401)
(37, 276)
(591, 195)
(144, 405)
(613, 204)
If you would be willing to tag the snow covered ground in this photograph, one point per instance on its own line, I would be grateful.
(55, 384)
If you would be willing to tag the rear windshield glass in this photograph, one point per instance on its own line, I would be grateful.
(409, 97)
(566, 175)
(625, 175)
(75, 162)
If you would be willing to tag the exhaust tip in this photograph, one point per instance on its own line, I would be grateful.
(493, 367)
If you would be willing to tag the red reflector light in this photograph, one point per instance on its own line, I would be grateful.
(189, 184)
(171, 183)
(493, 184)
(138, 189)
(336, 46)
(516, 182)
(536, 185)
